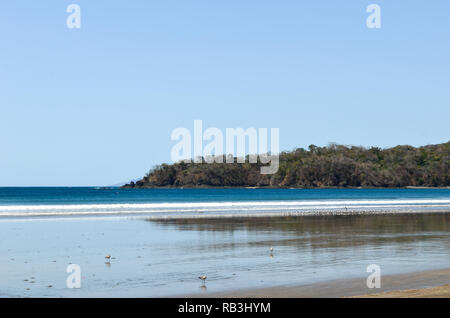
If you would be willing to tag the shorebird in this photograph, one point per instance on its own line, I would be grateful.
(108, 256)
(203, 278)
(271, 249)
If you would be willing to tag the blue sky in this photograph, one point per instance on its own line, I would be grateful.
(97, 105)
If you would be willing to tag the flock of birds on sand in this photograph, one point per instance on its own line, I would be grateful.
(202, 277)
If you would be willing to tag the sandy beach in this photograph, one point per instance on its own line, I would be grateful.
(433, 283)
(432, 292)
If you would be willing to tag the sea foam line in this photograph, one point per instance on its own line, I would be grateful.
(222, 207)
(118, 206)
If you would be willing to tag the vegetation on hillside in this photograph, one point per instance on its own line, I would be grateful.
(331, 166)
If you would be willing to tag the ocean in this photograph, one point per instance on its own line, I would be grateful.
(92, 201)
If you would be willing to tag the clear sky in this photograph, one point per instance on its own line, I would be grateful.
(97, 105)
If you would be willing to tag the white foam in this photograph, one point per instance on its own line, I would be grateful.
(205, 207)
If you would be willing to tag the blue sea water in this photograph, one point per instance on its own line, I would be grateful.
(88, 201)
(95, 195)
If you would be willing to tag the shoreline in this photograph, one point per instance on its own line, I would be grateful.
(431, 292)
(415, 284)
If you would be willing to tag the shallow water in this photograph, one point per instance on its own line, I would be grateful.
(164, 257)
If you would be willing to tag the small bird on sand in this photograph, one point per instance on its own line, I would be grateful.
(203, 278)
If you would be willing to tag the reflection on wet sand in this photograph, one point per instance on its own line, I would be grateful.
(130, 257)
(326, 231)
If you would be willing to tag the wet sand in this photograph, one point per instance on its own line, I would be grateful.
(314, 256)
(433, 292)
(434, 283)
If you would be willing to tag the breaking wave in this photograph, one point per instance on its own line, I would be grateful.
(193, 209)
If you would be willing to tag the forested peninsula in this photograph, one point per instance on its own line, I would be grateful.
(316, 167)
